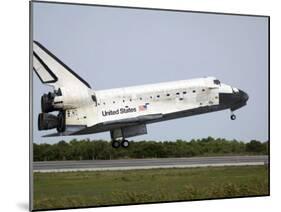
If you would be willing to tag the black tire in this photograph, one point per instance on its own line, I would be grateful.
(232, 117)
(115, 144)
(125, 144)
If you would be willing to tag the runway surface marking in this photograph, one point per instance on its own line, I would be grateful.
(130, 164)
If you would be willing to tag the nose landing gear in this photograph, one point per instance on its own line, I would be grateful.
(232, 116)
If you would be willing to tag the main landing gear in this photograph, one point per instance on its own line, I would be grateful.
(115, 136)
(232, 116)
(116, 143)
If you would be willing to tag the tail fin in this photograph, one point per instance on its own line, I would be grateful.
(52, 71)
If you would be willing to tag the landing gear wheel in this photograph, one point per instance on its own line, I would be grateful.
(115, 144)
(125, 143)
(233, 117)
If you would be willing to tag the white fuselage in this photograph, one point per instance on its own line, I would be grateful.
(164, 98)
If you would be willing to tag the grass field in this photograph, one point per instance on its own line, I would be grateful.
(97, 188)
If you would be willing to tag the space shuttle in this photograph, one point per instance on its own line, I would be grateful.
(73, 108)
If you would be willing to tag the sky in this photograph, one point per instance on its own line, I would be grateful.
(117, 47)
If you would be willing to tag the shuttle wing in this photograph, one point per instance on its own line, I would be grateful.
(110, 125)
(52, 71)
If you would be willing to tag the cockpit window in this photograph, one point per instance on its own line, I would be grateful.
(235, 90)
(217, 82)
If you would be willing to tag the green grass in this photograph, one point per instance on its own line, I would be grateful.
(97, 188)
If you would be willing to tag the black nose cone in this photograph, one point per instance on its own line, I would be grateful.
(233, 100)
(241, 99)
(243, 96)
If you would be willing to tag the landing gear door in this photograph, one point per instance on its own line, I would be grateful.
(134, 130)
(130, 131)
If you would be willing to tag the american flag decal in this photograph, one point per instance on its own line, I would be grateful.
(143, 107)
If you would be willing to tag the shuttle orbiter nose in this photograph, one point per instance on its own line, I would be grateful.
(234, 100)
(243, 96)
(239, 100)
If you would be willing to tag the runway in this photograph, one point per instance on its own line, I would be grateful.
(131, 164)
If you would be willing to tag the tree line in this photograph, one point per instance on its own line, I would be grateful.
(102, 150)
